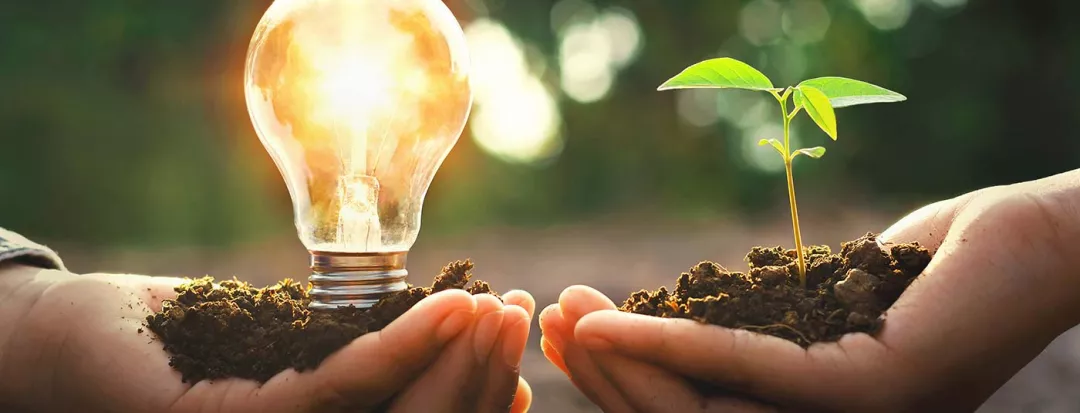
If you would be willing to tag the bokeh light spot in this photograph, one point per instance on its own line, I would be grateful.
(759, 22)
(762, 158)
(744, 108)
(622, 28)
(593, 48)
(791, 62)
(516, 118)
(697, 106)
(585, 60)
(885, 14)
(949, 4)
(521, 126)
(567, 11)
(806, 21)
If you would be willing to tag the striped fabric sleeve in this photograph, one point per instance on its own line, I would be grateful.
(15, 247)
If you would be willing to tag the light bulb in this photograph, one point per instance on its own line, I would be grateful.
(358, 103)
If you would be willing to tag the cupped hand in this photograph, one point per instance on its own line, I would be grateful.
(82, 346)
(1002, 284)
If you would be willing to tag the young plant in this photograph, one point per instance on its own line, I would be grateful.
(818, 97)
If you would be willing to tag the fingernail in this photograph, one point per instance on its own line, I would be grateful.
(453, 324)
(487, 331)
(596, 344)
(514, 345)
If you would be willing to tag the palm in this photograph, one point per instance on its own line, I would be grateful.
(93, 327)
(953, 337)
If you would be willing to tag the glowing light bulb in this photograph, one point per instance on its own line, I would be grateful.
(358, 103)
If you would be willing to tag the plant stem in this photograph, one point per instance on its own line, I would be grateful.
(791, 192)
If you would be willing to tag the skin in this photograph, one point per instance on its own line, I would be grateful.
(73, 343)
(1003, 283)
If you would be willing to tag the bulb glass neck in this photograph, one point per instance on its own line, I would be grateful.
(340, 279)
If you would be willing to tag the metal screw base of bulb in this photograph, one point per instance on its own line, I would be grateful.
(341, 279)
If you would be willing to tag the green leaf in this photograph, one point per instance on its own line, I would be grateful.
(775, 144)
(815, 152)
(849, 92)
(723, 72)
(817, 106)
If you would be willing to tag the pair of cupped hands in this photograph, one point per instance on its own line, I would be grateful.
(1002, 284)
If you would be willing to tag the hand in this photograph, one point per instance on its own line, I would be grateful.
(76, 347)
(1002, 284)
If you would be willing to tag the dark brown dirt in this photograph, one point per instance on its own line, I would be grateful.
(236, 330)
(846, 292)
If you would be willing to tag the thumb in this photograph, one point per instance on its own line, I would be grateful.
(927, 225)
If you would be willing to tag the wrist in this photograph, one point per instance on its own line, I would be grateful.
(1063, 194)
(20, 288)
(15, 283)
(1058, 199)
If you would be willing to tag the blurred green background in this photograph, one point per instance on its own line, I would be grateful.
(126, 143)
(123, 121)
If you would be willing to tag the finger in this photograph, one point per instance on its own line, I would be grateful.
(515, 337)
(647, 388)
(552, 343)
(725, 404)
(553, 355)
(455, 381)
(523, 397)
(521, 299)
(654, 390)
(551, 325)
(377, 365)
(504, 362)
(578, 300)
(927, 225)
(582, 371)
(489, 327)
(760, 365)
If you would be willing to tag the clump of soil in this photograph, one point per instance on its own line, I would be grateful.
(845, 293)
(235, 330)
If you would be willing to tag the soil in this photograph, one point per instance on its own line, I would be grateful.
(231, 329)
(845, 293)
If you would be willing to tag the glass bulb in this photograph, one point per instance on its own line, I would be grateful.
(358, 103)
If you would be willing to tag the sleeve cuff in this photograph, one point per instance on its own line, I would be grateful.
(16, 248)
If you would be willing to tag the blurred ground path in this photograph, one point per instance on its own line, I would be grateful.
(615, 258)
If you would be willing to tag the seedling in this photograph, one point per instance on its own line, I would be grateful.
(818, 97)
